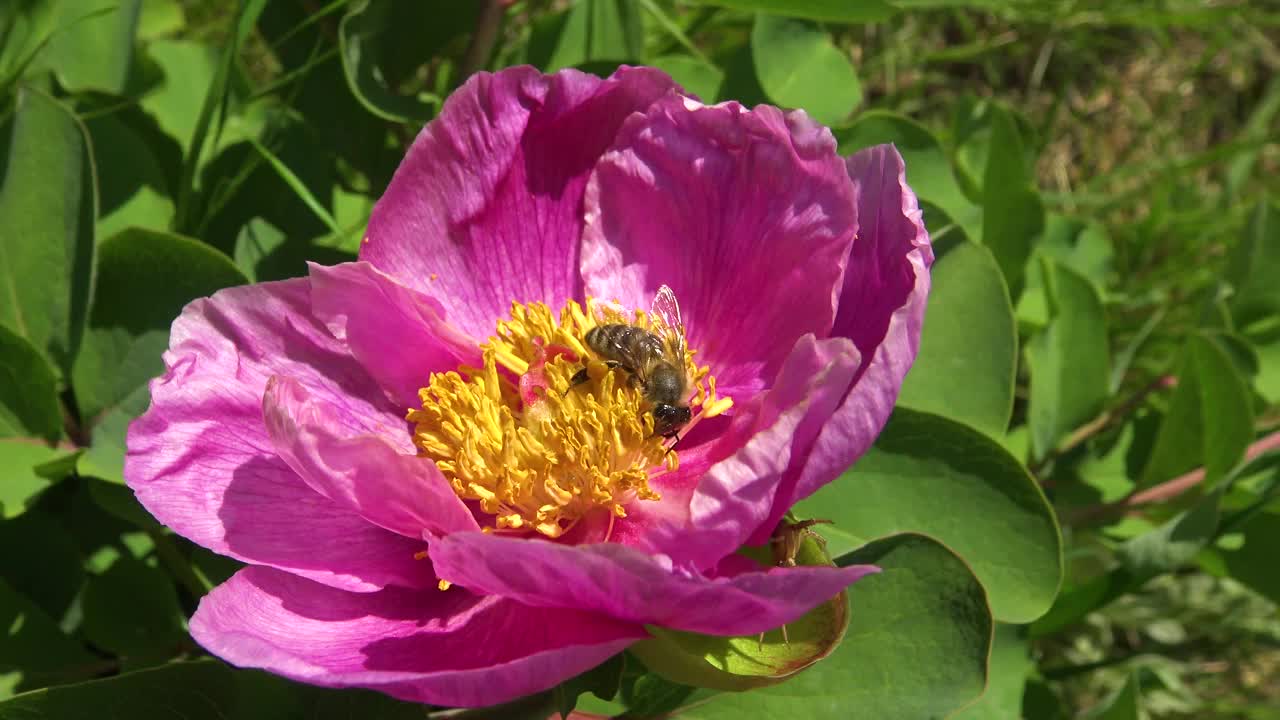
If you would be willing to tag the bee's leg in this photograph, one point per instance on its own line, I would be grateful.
(578, 378)
(785, 639)
(673, 445)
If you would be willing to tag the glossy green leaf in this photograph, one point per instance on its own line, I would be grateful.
(1013, 215)
(19, 481)
(144, 279)
(1255, 265)
(838, 11)
(47, 210)
(364, 57)
(34, 651)
(189, 69)
(134, 188)
(696, 76)
(917, 645)
(1162, 549)
(969, 348)
(1253, 563)
(736, 663)
(28, 391)
(1068, 360)
(799, 67)
(132, 610)
(601, 681)
(936, 476)
(1210, 417)
(25, 29)
(1011, 663)
(1121, 705)
(93, 47)
(929, 171)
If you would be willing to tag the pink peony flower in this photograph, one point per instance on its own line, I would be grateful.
(520, 526)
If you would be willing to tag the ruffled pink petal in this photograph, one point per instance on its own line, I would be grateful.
(402, 493)
(737, 477)
(629, 585)
(747, 214)
(486, 208)
(201, 462)
(444, 648)
(881, 310)
(399, 335)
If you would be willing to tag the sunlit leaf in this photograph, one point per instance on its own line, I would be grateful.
(968, 351)
(799, 67)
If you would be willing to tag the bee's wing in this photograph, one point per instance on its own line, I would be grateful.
(667, 309)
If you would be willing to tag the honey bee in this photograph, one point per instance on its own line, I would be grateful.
(656, 363)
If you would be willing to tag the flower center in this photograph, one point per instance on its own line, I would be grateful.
(537, 447)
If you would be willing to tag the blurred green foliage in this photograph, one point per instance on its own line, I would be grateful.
(1097, 389)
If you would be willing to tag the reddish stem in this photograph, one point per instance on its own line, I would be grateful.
(1163, 492)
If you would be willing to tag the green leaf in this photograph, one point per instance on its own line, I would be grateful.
(189, 69)
(936, 476)
(602, 681)
(1210, 417)
(969, 348)
(696, 76)
(28, 391)
(93, 47)
(602, 33)
(1255, 265)
(1121, 705)
(33, 650)
(203, 690)
(736, 663)
(1069, 361)
(25, 29)
(1160, 550)
(1253, 563)
(836, 11)
(362, 36)
(1013, 215)
(19, 481)
(49, 569)
(47, 209)
(929, 171)
(133, 183)
(1010, 665)
(799, 67)
(132, 610)
(145, 278)
(917, 645)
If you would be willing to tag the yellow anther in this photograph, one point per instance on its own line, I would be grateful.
(540, 454)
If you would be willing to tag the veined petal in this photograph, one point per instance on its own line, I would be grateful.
(881, 310)
(402, 493)
(440, 647)
(200, 460)
(486, 208)
(399, 335)
(738, 477)
(632, 586)
(747, 214)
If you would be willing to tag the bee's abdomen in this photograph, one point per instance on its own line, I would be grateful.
(624, 343)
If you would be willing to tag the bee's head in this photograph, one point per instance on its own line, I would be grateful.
(668, 419)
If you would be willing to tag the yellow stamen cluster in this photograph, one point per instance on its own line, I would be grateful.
(543, 465)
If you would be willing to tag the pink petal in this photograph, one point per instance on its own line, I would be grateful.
(626, 584)
(486, 208)
(881, 309)
(201, 462)
(747, 214)
(444, 648)
(405, 494)
(399, 335)
(740, 475)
